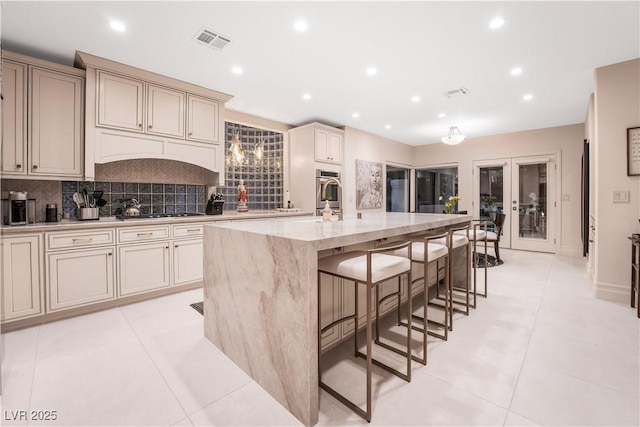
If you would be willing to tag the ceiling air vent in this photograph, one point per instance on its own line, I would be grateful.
(455, 92)
(211, 38)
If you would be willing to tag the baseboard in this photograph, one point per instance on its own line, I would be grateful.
(611, 292)
(570, 251)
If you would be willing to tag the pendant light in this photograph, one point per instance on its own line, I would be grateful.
(455, 137)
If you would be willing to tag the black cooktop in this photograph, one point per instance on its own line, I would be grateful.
(162, 215)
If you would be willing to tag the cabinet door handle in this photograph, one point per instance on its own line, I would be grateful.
(190, 230)
(82, 239)
(150, 126)
(18, 166)
(110, 254)
(175, 246)
(34, 167)
(140, 125)
(144, 234)
(190, 133)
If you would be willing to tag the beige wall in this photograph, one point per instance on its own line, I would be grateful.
(567, 140)
(363, 145)
(617, 107)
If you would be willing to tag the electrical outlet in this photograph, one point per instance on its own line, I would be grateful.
(620, 196)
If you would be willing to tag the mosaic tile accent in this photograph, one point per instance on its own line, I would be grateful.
(264, 179)
(154, 197)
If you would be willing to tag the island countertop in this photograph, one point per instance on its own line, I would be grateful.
(261, 293)
(326, 235)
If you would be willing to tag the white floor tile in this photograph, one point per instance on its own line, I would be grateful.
(515, 420)
(114, 384)
(197, 372)
(160, 314)
(20, 348)
(16, 398)
(70, 336)
(248, 406)
(549, 397)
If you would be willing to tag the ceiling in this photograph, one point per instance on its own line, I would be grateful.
(419, 49)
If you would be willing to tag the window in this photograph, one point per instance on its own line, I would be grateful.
(433, 182)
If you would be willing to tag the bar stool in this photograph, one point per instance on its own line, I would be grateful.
(454, 241)
(424, 252)
(477, 234)
(370, 268)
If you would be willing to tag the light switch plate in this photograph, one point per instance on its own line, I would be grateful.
(620, 196)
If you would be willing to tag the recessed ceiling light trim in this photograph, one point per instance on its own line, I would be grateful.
(497, 22)
(516, 71)
(300, 25)
(117, 26)
(371, 71)
(528, 97)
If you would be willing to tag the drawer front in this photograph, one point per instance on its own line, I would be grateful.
(143, 234)
(80, 239)
(187, 230)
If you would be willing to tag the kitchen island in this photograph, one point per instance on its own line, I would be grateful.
(261, 300)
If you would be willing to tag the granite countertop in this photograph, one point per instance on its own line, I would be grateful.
(351, 230)
(112, 221)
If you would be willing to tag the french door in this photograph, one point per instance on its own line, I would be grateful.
(525, 189)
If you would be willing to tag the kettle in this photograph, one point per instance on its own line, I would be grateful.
(131, 207)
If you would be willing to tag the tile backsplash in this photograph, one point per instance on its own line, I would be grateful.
(154, 197)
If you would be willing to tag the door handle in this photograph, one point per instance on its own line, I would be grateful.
(514, 208)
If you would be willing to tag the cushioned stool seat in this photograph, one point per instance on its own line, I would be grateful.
(371, 268)
(353, 265)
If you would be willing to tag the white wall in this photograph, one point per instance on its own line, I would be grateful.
(617, 107)
(567, 140)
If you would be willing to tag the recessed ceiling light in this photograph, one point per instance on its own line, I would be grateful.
(306, 96)
(300, 25)
(355, 115)
(117, 26)
(441, 115)
(371, 71)
(415, 98)
(387, 126)
(516, 71)
(497, 23)
(528, 97)
(236, 70)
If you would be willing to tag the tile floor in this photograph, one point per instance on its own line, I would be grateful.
(539, 351)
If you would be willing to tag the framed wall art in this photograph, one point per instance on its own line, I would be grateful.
(633, 151)
(368, 185)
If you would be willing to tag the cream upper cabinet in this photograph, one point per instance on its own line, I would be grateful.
(120, 102)
(165, 111)
(14, 118)
(22, 290)
(43, 119)
(56, 133)
(203, 119)
(328, 146)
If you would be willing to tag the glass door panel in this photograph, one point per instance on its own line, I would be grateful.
(533, 206)
(492, 193)
(397, 189)
(433, 183)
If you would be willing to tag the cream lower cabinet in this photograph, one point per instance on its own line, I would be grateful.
(77, 278)
(80, 268)
(143, 268)
(330, 306)
(22, 290)
(187, 253)
(187, 261)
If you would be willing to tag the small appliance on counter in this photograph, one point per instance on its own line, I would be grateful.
(18, 209)
(51, 213)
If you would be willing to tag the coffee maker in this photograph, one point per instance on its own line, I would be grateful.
(17, 208)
